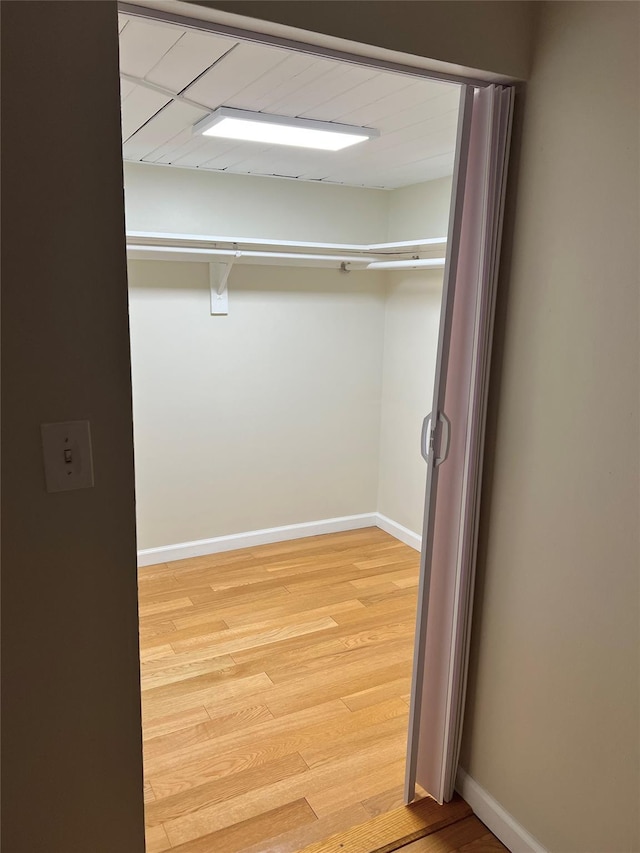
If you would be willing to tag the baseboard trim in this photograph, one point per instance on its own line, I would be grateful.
(500, 822)
(203, 547)
(413, 540)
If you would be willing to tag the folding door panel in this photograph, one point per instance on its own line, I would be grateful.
(453, 440)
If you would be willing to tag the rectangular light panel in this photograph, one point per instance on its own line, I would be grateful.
(249, 126)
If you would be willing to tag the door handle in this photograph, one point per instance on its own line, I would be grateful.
(424, 438)
(445, 442)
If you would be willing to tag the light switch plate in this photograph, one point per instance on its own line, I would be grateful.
(68, 461)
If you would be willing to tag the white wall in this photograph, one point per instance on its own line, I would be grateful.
(265, 417)
(553, 720)
(163, 198)
(419, 210)
(412, 317)
(301, 350)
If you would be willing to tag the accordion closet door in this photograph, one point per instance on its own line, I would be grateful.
(452, 442)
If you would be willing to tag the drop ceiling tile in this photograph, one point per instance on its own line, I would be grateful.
(161, 128)
(143, 44)
(189, 57)
(244, 64)
(317, 68)
(338, 80)
(260, 91)
(365, 94)
(138, 108)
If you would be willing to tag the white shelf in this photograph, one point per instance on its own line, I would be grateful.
(152, 238)
(425, 244)
(201, 248)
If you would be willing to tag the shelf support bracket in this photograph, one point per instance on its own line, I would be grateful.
(218, 278)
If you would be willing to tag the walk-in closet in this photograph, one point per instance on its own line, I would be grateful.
(288, 218)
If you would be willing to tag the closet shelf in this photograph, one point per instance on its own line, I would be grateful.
(410, 254)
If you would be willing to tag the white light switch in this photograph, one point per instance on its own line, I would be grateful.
(68, 463)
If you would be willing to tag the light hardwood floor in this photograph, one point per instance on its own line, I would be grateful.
(275, 686)
(465, 836)
(423, 827)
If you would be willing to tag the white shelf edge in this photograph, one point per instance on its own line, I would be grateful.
(156, 238)
(408, 244)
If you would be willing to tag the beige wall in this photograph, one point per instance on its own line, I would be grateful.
(265, 417)
(552, 724)
(412, 317)
(71, 741)
(552, 719)
(487, 35)
(161, 198)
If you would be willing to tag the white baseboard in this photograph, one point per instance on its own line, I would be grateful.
(414, 540)
(500, 822)
(202, 547)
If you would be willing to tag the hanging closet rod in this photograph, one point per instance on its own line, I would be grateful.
(197, 253)
(408, 263)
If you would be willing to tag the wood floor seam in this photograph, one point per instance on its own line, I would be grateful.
(312, 809)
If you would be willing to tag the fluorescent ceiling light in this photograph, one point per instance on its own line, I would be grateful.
(282, 130)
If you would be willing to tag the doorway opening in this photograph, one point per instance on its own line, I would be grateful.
(286, 333)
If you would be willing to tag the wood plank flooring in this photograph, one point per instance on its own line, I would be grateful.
(422, 827)
(275, 686)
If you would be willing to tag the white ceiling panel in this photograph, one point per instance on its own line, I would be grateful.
(259, 94)
(425, 138)
(126, 88)
(164, 125)
(422, 132)
(412, 173)
(311, 72)
(418, 148)
(193, 153)
(404, 119)
(138, 107)
(233, 156)
(166, 150)
(213, 154)
(290, 163)
(417, 118)
(143, 44)
(189, 57)
(415, 96)
(364, 95)
(240, 67)
(341, 78)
